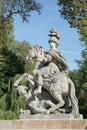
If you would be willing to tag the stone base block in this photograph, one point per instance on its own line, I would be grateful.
(43, 124)
(48, 116)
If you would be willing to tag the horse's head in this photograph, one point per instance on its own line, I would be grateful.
(30, 55)
(35, 52)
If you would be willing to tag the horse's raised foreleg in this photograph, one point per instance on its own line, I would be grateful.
(24, 76)
(30, 78)
(17, 82)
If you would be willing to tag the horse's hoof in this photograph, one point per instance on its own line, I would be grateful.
(51, 110)
(48, 112)
(37, 92)
(15, 85)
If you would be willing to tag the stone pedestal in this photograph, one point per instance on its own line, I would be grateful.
(48, 116)
(43, 124)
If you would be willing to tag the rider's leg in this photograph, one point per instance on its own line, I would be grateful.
(39, 82)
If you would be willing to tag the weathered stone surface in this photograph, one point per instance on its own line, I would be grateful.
(48, 116)
(43, 124)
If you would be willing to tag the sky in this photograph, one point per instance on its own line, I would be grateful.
(36, 32)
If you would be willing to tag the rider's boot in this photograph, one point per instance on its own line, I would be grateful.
(38, 90)
(39, 82)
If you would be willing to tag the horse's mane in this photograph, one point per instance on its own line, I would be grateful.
(38, 48)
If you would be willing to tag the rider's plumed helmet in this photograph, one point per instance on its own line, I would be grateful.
(54, 36)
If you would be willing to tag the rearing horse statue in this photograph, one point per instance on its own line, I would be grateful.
(58, 85)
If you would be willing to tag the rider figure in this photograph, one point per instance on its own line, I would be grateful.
(55, 53)
(53, 60)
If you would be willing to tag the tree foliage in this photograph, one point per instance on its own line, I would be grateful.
(6, 36)
(12, 63)
(75, 12)
(11, 70)
(82, 65)
(9, 8)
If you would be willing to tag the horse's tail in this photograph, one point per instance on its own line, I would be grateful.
(74, 100)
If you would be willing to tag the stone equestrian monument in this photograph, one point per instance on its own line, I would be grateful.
(52, 92)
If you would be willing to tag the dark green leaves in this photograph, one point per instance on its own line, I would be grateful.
(9, 8)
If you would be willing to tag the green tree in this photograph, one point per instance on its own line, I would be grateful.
(9, 8)
(14, 65)
(21, 50)
(6, 39)
(6, 36)
(75, 12)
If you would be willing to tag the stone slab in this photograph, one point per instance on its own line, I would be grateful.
(43, 124)
(48, 116)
